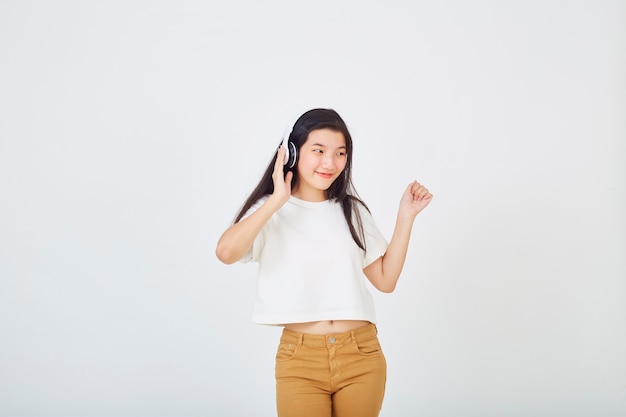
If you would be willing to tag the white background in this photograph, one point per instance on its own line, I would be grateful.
(132, 131)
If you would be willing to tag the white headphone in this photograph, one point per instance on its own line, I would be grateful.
(291, 152)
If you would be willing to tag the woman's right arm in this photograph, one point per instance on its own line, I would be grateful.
(237, 240)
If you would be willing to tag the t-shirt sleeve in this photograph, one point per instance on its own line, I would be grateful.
(375, 242)
(253, 254)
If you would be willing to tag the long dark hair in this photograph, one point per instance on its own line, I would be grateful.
(341, 190)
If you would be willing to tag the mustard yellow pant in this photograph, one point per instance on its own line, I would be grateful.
(340, 375)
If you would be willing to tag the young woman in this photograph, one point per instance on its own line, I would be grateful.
(316, 244)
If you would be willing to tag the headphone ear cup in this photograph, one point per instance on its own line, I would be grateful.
(293, 156)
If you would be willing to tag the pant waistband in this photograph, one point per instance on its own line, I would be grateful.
(315, 340)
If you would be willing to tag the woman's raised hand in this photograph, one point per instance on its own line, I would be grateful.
(415, 198)
(282, 182)
(237, 240)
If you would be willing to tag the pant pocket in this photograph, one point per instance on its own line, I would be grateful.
(369, 347)
(286, 351)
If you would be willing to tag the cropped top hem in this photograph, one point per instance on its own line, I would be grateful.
(281, 320)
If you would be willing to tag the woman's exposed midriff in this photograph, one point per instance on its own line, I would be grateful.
(326, 326)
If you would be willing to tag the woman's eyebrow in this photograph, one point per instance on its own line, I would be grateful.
(324, 146)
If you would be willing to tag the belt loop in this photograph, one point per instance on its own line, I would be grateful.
(353, 336)
(300, 337)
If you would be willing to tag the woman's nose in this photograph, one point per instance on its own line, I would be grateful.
(328, 160)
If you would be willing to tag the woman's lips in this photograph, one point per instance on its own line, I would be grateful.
(324, 175)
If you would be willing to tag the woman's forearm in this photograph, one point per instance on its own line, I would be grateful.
(394, 257)
(237, 240)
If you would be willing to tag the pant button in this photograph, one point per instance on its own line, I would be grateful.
(331, 340)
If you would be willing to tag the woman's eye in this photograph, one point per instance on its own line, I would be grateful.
(317, 150)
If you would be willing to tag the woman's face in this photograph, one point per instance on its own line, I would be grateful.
(322, 158)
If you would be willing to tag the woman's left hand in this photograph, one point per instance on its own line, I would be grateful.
(415, 198)
(384, 272)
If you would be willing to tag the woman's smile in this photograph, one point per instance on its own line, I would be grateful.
(324, 174)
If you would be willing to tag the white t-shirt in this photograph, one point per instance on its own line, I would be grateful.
(310, 267)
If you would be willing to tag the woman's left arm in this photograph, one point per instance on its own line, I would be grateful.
(384, 272)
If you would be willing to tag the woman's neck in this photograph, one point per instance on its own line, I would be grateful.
(310, 195)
